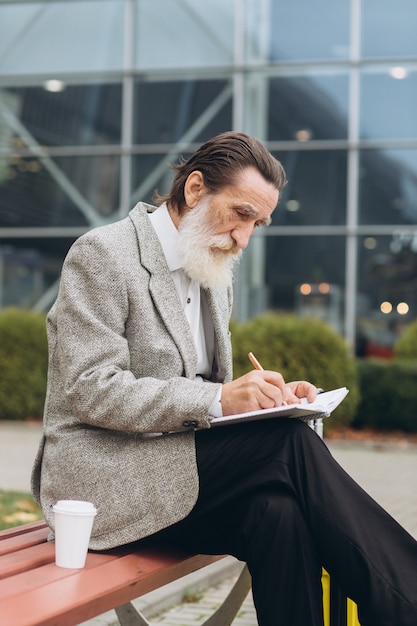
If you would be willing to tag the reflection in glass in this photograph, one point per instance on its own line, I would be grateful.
(165, 112)
(388, 187)
(297, 29)
(29, 268)
(55, 37)
(388, 28)
(316, 190)
(151, 174)
(190, 34)
(318, 262)
(304, 108)
(65, 191)
(388, 103)
(76, 115)
(387, 290)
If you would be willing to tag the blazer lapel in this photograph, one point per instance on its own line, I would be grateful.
(162, 289)
(219, 308)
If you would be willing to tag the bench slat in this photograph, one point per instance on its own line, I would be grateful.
(16, 542)
(94, 590)
(22, 529)
(24, 580)
(28, 559)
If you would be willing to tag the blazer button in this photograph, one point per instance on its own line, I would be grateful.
(190, 424)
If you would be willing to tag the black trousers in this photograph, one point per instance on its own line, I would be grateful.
(272, 495)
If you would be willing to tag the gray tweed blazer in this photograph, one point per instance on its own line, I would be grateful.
(122, 403)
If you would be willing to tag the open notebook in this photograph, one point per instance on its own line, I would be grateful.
(324, 404)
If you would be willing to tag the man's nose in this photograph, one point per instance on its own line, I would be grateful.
(242, 235)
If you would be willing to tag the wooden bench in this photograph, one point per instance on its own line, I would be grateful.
(34, 592)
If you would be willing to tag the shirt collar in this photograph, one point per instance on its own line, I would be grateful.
(167, 235)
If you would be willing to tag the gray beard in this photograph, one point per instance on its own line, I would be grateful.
(213, 269)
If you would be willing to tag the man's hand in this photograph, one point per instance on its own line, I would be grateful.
(263, 390)
(301, 389)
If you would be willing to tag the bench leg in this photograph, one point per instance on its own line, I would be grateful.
(227, 612)
(223, 616)
(129, 616)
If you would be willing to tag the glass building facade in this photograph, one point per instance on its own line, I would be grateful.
(97, 97)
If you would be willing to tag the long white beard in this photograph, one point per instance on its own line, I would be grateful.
(207, 258)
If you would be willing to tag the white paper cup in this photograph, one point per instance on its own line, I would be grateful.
(73, 524)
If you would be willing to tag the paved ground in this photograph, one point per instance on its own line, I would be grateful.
(388, 471)
(18, 446)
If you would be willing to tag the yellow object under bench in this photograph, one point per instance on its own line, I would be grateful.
(351, 608)
(346, 605)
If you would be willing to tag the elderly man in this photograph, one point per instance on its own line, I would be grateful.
(140, 363)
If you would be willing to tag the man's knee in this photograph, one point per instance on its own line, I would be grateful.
(273, 510)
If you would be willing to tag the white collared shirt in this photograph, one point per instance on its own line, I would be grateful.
(193, 300)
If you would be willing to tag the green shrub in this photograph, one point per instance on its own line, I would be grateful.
(406, 345)
(301, 349)
(23, 364)
(388, 395)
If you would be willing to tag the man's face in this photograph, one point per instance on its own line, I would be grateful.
(238, 209)
(213, 233)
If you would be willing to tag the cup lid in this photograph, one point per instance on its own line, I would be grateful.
(76, 507)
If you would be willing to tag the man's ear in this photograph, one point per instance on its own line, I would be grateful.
(194, 189)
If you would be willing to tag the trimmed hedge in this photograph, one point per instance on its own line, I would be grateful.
(23, 364)
(301, 349)
(383, 394)
(388, 395)
(406, 345)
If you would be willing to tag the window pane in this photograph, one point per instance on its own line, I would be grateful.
(389, 28)
(316, 190)
(29, 268)
(297, 29)
(78, 115)
(184, 33)
(151, 173)
(318, 262)
(307, 107)
(55, 37)
(389, 103)
(166, 111)
(388, 187)
(64, 191)
(387, 294)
